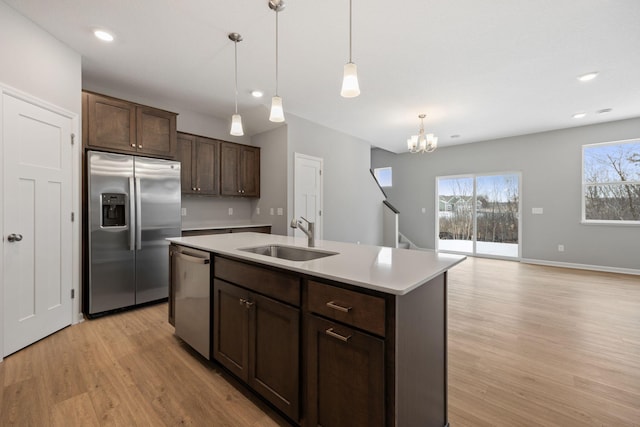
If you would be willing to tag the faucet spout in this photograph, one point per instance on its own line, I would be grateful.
(309, 230)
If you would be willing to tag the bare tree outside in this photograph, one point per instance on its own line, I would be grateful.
(612, 181)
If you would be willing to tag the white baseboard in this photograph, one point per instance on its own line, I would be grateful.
(582, 266)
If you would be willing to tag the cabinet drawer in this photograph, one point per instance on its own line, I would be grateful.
(360, 310)
(280, 286)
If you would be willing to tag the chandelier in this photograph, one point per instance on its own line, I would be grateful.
(422, 143)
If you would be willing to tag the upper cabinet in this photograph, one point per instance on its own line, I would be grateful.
(121, 126)
(200, 158)
(239, 170)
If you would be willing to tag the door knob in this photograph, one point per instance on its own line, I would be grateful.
(14, 237)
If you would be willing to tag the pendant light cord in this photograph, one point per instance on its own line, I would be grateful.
(350, 25)
(235, 43)
(277, 52)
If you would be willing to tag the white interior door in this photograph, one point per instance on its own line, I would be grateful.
(37, 241)
(307, 190)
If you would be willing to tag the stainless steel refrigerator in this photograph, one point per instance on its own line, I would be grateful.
(133, 206)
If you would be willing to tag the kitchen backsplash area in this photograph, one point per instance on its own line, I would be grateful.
(209, 211)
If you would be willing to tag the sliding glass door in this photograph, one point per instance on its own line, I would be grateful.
(479, 215)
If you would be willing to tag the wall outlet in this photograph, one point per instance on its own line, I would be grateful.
(230, 211)
(424, 210)
(280, 212)
(271, 211)
(537, 211)
(183, 212)
(560, 248)
(257, 211)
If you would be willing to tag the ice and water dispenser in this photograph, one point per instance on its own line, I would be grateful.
(113, 210)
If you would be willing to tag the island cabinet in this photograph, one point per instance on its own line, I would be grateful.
(239, 170)
(256, 330)
(200, 164)
(345, 357)
(124, 127)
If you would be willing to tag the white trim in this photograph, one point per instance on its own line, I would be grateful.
(603, 268)
(76, 315)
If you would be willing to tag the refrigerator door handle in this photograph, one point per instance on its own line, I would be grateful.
(138, 215)
(132, 210)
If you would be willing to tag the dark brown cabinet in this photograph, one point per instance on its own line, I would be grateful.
(200, 159)
(239, 170)
(121, 126)
(257, 338)
(345, 376)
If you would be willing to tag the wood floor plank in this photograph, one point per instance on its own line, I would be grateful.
(78, 408)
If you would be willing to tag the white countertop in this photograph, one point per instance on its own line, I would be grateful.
(393, 271)
(219, 226)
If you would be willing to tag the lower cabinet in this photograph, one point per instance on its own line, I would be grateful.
(258, 339)
(345, 376)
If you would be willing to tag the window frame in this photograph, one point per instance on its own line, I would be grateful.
(583, 199)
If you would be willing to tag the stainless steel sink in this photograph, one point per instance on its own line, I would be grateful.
(290, 253)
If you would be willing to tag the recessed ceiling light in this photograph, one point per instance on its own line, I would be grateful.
(589, 76)
(103, 35)
(604, 110)
(579, 115)
(257, 93)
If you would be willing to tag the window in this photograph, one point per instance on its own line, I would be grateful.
(383, 175)
(611, 182)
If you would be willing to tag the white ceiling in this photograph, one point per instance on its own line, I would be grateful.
(480, 69)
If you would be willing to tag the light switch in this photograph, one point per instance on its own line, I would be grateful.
(537, 211)
(184, 212)
(271, 211)
(230, 211)
(280, 211)
(424, 210)
(257, 211)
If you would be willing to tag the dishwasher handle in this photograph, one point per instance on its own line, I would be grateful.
(193, 259)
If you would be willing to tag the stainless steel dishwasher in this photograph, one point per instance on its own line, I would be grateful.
(190, 271)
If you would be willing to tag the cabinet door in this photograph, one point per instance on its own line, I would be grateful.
(250, 171)
(111, 123)
(207, 160)
(156, 132)
(231, 328)
(345, 376)
(274, 353)
(229, 163)
(185, 154)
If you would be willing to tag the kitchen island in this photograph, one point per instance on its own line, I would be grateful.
(354, 337)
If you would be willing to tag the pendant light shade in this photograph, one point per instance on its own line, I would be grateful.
(277, 113)
(236, 125)
(350, 86)
(236, 120)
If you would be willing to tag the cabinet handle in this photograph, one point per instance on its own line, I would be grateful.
(249, 304)
(140, 146)
(337, 335)
(243, 301)
(133, 145)
(199, 189)
(335, 306)
(193, 188)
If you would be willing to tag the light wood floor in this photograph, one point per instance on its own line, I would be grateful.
(528, 346)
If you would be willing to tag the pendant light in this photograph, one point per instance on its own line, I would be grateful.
(277, 113)
(350, 87)
(236, 120)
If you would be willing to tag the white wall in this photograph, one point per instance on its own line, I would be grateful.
(352, 200)
(273, 180)
(37, 64)
(551, 166)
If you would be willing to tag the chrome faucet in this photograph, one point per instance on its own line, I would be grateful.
(309, 231)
